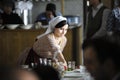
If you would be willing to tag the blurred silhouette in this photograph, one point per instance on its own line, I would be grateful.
(22, 74)
(8, 72)
(102, 58)
(47, 72)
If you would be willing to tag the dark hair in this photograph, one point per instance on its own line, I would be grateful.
(105, 49)
(51, 7)
(47, 72)
(61, 24)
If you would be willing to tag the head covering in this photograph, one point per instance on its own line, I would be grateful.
(61, 24)
(52, 25)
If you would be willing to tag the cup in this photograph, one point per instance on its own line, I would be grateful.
(73, 65)
(82, 69)
(69, 65)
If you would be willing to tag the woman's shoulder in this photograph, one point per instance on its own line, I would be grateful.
(64, 37)
(51, 37)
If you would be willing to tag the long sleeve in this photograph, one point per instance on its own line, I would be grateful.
(47, 46)
(58, 48)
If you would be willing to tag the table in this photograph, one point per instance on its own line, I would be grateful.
(76, 75)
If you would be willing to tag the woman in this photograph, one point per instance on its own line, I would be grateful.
(51, 43)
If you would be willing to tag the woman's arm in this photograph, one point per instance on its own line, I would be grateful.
(62, 59)
(57, 49)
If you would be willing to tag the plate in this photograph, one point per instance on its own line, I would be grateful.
(73, 75)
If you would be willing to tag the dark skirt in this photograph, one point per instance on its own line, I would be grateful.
(32, 57)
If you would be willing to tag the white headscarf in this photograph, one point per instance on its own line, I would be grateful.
(52, 25)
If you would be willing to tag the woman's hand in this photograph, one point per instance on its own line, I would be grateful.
(61, 59)
(60, 65)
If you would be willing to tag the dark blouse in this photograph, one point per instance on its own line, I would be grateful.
(12, 18)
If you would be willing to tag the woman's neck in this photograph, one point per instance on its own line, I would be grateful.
(57, 37)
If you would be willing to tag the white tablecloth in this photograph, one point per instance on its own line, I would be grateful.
(76, 75)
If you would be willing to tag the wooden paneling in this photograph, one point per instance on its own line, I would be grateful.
(13, 42)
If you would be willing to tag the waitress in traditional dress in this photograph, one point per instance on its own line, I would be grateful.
(50, 44)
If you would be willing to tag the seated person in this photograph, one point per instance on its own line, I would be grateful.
(50, 13)
(8, 17)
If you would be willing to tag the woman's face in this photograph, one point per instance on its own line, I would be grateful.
(49, 14)
(61, 31)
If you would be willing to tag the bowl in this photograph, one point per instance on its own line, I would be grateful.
(73, 20)
(12, 26)
(29, 26)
